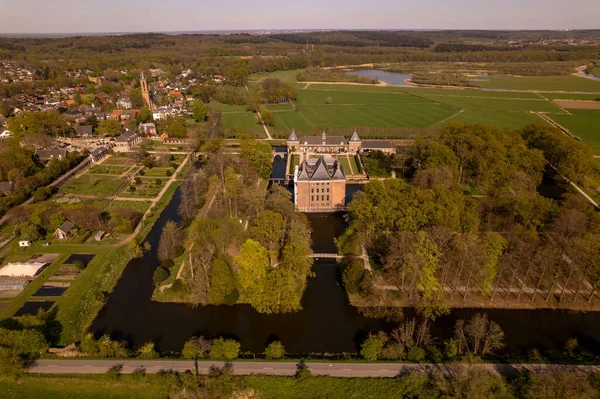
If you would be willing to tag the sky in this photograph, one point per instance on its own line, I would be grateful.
(80, 16)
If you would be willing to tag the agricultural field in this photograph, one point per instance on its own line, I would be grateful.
(87, 184)
(500, 119)
(542, 83)
(583, 123)
(108, 169)
(147, 188)
(284, 76)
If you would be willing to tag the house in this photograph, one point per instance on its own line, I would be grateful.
(7, 187)
(5, 134)
(83, 131)
(98, 153)
(320, 186)
(63, 231)
(46, 155)
(129, 138)
(162, 112)
(124, 103)
(147, 129)
(99, 236)
(24, 243)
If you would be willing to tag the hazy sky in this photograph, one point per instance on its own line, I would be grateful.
(62, 16)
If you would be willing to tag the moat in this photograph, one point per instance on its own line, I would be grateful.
(327, 323)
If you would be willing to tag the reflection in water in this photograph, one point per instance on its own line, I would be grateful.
(391, 78)
(327, 322)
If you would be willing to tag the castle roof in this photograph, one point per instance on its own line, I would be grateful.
(354, 137)
(321, 169)
(293, 136)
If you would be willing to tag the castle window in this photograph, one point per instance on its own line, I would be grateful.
(328, 198)
(322, 198)
(312, 197)
(328, 190)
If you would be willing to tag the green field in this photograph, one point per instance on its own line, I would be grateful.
(146, 189)
(583, 123)
(140, 206)
(494, 104)
(570, 96)
(426, 91)
(501, 119)
(244, 122)
(543, 83)
(108, 169)
(88, 184)
(157, 172)
(284, 76)
(344, 162)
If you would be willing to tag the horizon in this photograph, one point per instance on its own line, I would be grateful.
(130, 16)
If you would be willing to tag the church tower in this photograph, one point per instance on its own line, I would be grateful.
(146, 93)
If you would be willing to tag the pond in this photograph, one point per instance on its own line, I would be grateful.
(327, 322)
(391, 78)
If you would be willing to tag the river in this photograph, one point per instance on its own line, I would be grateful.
(327, 322)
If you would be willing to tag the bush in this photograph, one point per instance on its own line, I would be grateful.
(415, 354)
(179, 287)
(114, 373)
(167, 264)
(450, 349)
(160, 275)
(196, 348)
(147, 351)
(372, 347)
(224, 349)
(275, 350)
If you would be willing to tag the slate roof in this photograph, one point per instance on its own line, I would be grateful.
(83, 130)
(321, 169)
(98, 151)
(329, 140)
(51, 153)
(354, 138)
(375, 144)
(66, 227)
(293, 137)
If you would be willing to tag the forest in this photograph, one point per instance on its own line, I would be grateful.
(243, 243)
(470, 222)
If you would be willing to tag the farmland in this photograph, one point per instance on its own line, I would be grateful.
(585, 124)
(542, 83)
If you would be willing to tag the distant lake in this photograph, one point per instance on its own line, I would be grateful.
(590, 76)
(391, 78)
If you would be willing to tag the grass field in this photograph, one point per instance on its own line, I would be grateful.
(157, 172)
(241, 121)
(501, 119)
(345, 165)
(547, 83)
(108, 169)
(140, 206)
(284, 76)
(583, 123)
(88, 184)
(146, 189)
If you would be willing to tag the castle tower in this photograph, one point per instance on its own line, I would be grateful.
(146, 93)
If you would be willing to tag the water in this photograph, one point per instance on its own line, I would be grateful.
(391, 78)
(590, 76)
(327, 322)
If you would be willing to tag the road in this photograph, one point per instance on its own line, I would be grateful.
(83, 366)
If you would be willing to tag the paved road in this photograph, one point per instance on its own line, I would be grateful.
(83, 366)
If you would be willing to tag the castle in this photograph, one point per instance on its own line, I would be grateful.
(320, 186)
(325, 144)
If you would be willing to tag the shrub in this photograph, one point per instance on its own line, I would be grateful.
(225, 349)
(167, 264)
(196, 348)
(114, 373)
(160, 275)
(275, 350)
(372, 347)
(415, 354)
(147, 351)
(352, 276)
(450, 349)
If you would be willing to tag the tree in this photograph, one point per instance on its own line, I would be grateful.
(268, 229)
(18, 348)
(252, 264)
(147, 351)
(478, 336)
(170, 244)
(222, 284)
(275, 350)
(372, 348)
(267, 117)
(38, 122)
(196, 348)
(352, 276)
(31, 232)
(224, 349)
(144, 116)
(160, 275)
(177, 129)
(109, 127)
(200, 111)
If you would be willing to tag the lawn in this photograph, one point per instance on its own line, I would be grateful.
(88, 184)
(140, 206)
(583, 123)
(346, 165)
(354, 165)
(501, 119)
(245, 122)
(146, 189)
(293, 163)
(158, 172)
(543, 83)
(284, 76)
(495, 104)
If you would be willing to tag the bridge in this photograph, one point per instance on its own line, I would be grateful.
(326, 256)
(364, 257)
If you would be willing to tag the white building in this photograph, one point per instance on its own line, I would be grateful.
(163, 112)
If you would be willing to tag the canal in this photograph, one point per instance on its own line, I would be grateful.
(327, 322)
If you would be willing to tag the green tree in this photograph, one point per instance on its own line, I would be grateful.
(31, 232)
(196, 348)
(147, 351)
(267, 117)
(224, 349)
(275, 350)
(372, 348)
(252, 264)
(177, 129)
(222, 284)
(109, 127)
(352, 276)
(18, 348)
(268, 229)
(200, 111)
(144, 116)
(160, 275)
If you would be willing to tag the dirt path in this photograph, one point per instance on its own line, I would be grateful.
(269, 137)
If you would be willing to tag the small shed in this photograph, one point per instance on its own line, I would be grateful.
(99, 235)
(24, 243)
(63, 231)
